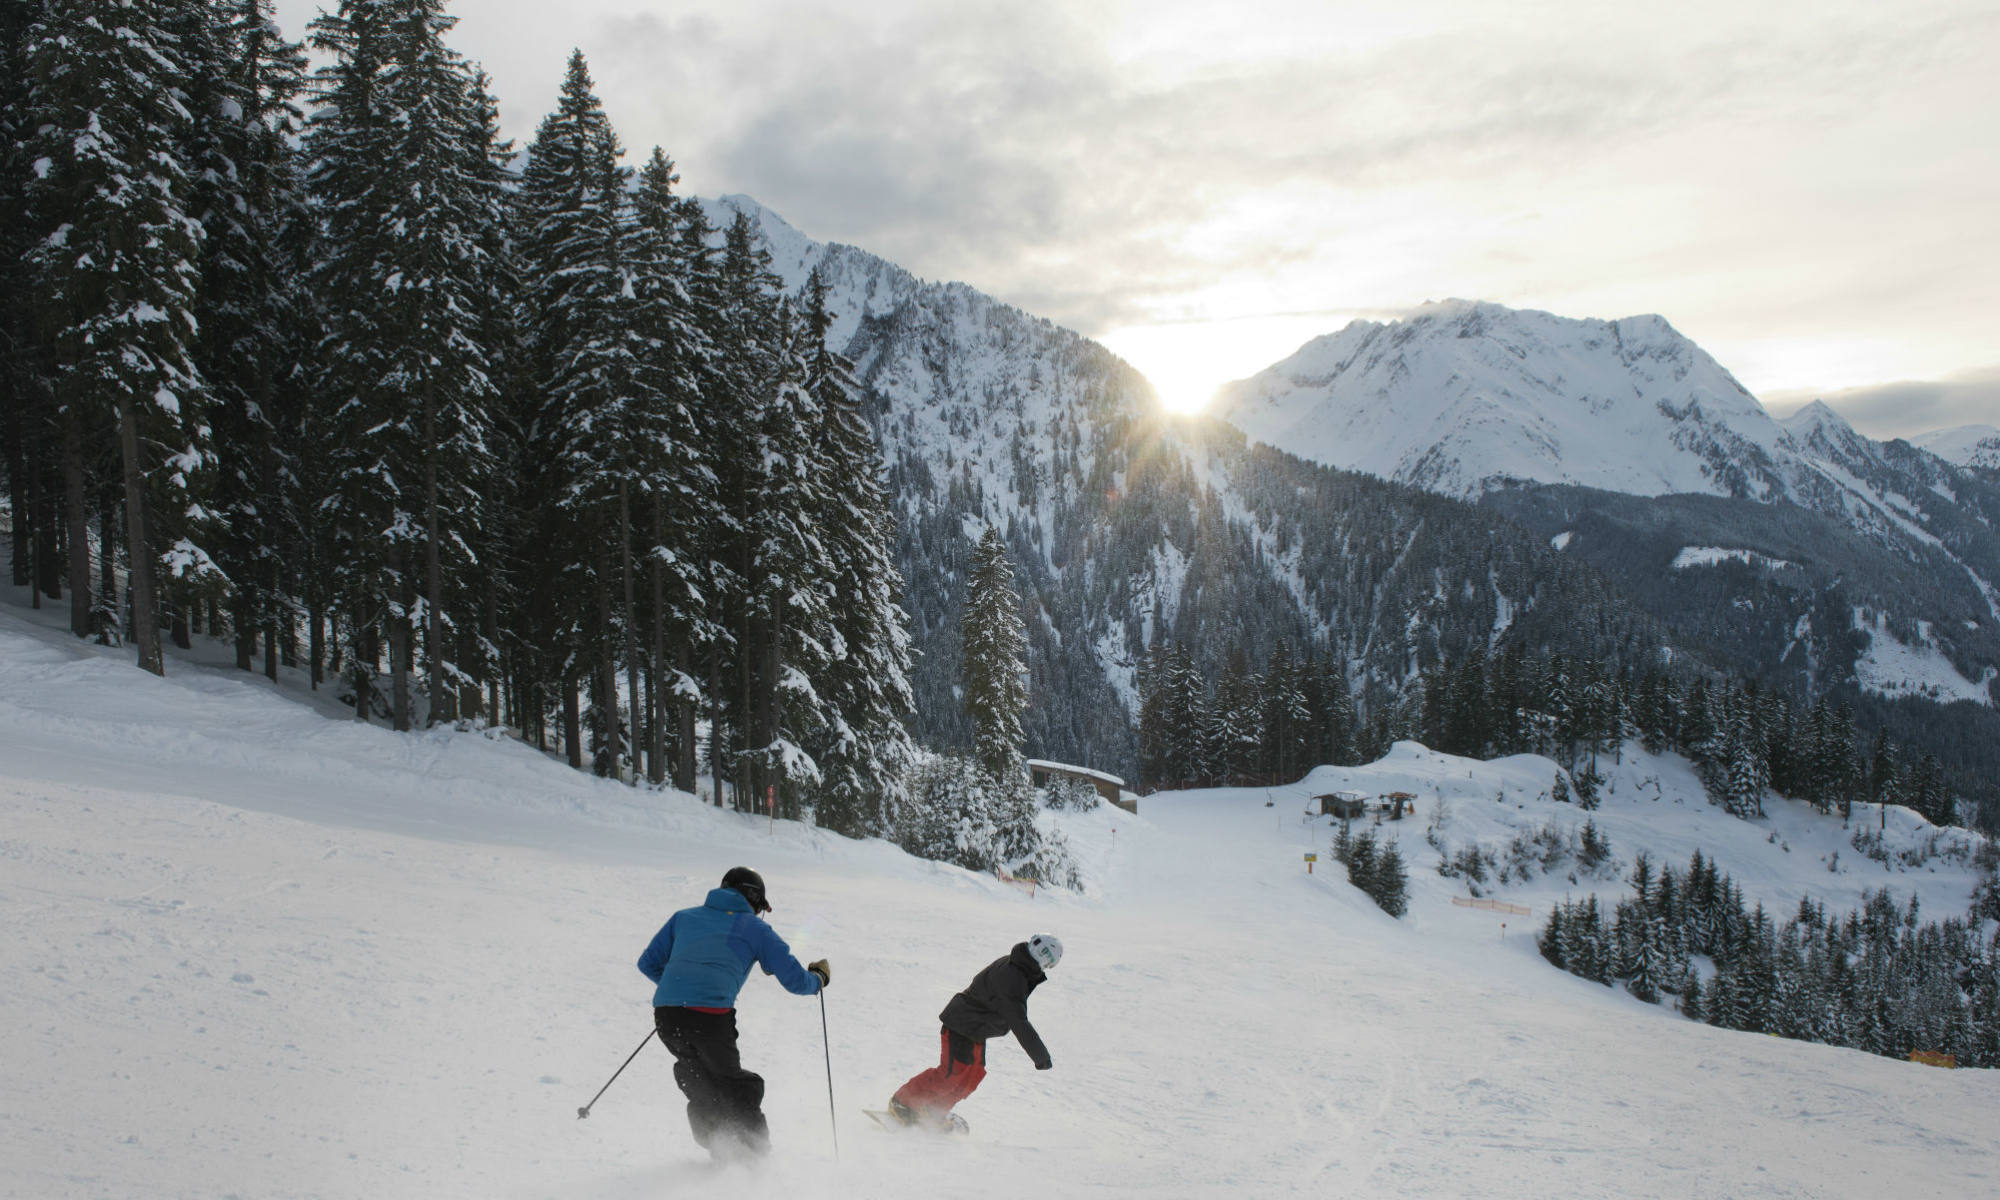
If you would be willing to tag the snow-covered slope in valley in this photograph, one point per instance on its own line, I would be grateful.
(1967, 445)
(256, 951)
(1462, 395)
(1891, 667)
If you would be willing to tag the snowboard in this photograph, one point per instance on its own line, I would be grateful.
(887, 1120)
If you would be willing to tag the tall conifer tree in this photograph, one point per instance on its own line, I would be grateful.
(991, 670)
(116, 264)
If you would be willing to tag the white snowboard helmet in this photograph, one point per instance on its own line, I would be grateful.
(1046, 950)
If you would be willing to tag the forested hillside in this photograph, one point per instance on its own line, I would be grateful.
(317, 364)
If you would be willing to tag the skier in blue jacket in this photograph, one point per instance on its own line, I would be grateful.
(699, 961)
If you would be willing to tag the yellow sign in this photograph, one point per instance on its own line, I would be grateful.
(1312, 858)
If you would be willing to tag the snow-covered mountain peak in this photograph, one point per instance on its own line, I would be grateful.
(1821, 432)
(1966, 446)
(1461, 396)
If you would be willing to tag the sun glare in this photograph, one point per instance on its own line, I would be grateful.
(1187, 362)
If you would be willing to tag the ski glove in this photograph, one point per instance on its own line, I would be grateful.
(820, 969)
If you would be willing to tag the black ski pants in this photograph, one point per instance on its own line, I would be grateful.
(725, 1102)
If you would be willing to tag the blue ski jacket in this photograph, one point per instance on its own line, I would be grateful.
(701, 956)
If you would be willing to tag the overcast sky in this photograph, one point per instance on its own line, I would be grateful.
(1808, 190)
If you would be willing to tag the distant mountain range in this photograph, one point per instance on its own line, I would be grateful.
(1968, 446)
(1468, 475)
(1463, 397)
(1562, 423)
(1130, 526)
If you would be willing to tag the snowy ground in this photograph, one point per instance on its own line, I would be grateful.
(254, 951)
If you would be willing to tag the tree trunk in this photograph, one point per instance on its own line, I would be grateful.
(657, 703)
(495, 671)
(315, 638)
(19, 546)
(48, 532)
(744, 770)
(277, 626)
(440, 708)
(399, 672)
(76, 515)
(27, 530)
(367, 653)
(631, 634)
(107, 567)
(246, 628)
(684, 758)
(466, 694)
(715, 744)
(572, 718)
(774, 713)
(605, 670)
(139, 549)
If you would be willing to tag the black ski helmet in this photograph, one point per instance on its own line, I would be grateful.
(750, 885)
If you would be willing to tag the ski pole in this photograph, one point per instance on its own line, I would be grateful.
(827, 1045)
(583, 1112)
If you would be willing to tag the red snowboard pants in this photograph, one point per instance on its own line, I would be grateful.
(961, 1065)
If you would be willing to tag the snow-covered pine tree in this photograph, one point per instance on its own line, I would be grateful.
(1363, 855)
(1337, 731)
(674, 475)
(864, 750)
(447, 229)
(948, 819)
(1930, 793)
(1692, 997)
(737, 294)
(1286, 722)
(1155, 762)
(248, 196)
(401, 170)
(1647, 959)
(577, 238)
(1234, 723)
(787, 631)
(1392, 880)
(479, 588)
(25, 405)
(991, 669)
(1746, 779)
(1550, 940)
(116, 271)
(1185, 732)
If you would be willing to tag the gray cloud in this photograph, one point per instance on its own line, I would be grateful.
(1002, 145)
(1893, 410)
(1734, 168)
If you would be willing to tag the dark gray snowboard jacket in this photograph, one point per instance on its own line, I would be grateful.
(996, 1002)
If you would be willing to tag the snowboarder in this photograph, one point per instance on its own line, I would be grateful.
(995, 1002)
(699, 961)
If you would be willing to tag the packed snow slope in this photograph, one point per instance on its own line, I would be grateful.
(256, 950)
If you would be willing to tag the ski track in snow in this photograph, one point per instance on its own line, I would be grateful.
(253, 951)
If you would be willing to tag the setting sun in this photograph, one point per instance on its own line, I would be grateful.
(1188, 361)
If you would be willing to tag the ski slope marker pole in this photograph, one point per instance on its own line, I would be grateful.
(826, 1043)
(583, 1112)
